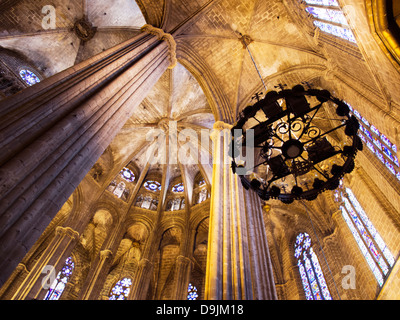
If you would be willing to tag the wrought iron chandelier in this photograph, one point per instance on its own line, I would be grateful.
(294, 159)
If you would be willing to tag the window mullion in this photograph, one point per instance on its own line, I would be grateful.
(331, 22)
(368, 253)
(308, 278)
(385, 272)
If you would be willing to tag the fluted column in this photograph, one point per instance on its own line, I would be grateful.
(52, 133)
(232, 270)
(94, 274)
(141, 281)
(182, 273)
(54, 256)
(263, 282)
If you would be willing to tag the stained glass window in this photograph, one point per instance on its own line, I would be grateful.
(57, 287)
(379, 144)
(202, 195)
(146, 202)
(29, 77)
(127, 174)
(119, 190)
(312, 278)
(328, 15)
(152, 185)
(178, 187)
(332, 3)
(374, 249)
(121, 289)
(329, 18)
(192, 292)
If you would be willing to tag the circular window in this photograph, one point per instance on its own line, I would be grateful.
(152, 185)
(29, 77)
(178, 187)
(127, 175)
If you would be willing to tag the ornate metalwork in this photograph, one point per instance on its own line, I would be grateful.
(293, 151)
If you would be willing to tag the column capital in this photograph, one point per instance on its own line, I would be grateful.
(220, 125)
(163, 36)
(105, 254)
(68, 232)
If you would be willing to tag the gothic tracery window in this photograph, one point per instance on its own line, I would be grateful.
(312, 278)
(192, 292)
(29, 77)
(178, 188)
(127, 174)
(152, 185)
(374, 249)
(121, 289)
(378, 143)
(329, 18)
(57, 287)
(120, 185)
(200, 191)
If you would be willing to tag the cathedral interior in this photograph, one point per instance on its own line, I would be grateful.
(86, 214)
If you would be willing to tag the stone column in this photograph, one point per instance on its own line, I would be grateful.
(54, 255)
(233, 272)
(95, 271)
(52, 133)
(263, 282)
(183, 267)
(141, 281)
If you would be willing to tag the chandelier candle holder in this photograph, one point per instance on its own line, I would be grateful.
(294, 159)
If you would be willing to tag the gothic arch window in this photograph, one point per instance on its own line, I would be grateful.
(378, 143)
(175, 204)
(329, 18)
(312, 278)
(119, 190)
(57, 287)
(192, 292)
(121, 289)
(29, 77)
(120, 185)
(374, 249)
(200, 191)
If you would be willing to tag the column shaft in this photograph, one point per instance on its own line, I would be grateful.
(238, 256)
(52, 133)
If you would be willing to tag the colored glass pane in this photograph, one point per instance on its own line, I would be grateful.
(152, 185)
(337, 31)
(367, 133)
(375, 130)
(375, 270)
(378, 239)
(304, 281)
(390, 167)
(320, 275)
(192, 292)
(332, 3)
(387, 152)
(127, 175)
(386, 140)
(29, 77)
(370, 146)
(121, 290)
(312, 278)
(329, 15)
(178, 187)
(57, 287)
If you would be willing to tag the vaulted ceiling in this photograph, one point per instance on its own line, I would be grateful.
(216, 76)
